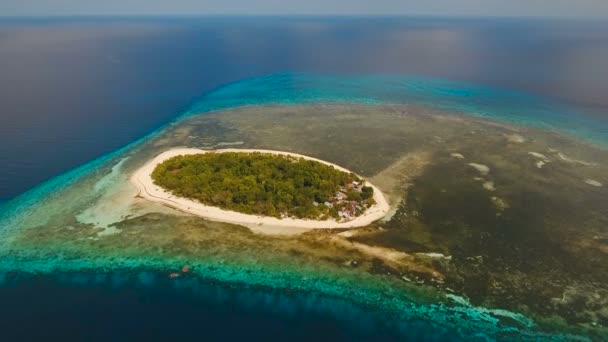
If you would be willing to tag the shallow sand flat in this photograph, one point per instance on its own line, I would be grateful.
(147, 189)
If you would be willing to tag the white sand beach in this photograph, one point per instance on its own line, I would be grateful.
(147, 189)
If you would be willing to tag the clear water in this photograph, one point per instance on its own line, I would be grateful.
(145, 295)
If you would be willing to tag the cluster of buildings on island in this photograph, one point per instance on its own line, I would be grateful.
(348, 208)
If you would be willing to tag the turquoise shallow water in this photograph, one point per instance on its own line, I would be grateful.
(493, 103)
(287, 89)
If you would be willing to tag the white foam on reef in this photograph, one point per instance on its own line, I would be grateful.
(492, 315)
(142, 179)
(539, 156)
(593, 183)
(483, 169)
(489, 186)
(570, 160)
(435, 256)
(515, 138)
(543, 159)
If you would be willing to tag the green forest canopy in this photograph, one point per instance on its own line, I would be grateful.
(264, 184)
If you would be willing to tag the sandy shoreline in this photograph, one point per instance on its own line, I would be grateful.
(147, 189)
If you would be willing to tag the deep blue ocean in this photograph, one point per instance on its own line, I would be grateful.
(74, 89)
(131, 306)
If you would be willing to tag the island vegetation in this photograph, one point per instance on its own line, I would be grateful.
(266, 184)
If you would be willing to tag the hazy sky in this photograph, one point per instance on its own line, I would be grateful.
(550, 8)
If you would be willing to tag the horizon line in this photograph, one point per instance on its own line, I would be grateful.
(287, 16)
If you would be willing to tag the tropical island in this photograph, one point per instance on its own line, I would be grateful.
(266, 184)
(260, 187)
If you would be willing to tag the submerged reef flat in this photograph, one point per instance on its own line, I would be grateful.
(478, 240)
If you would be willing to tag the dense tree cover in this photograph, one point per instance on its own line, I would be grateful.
(263, 184)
